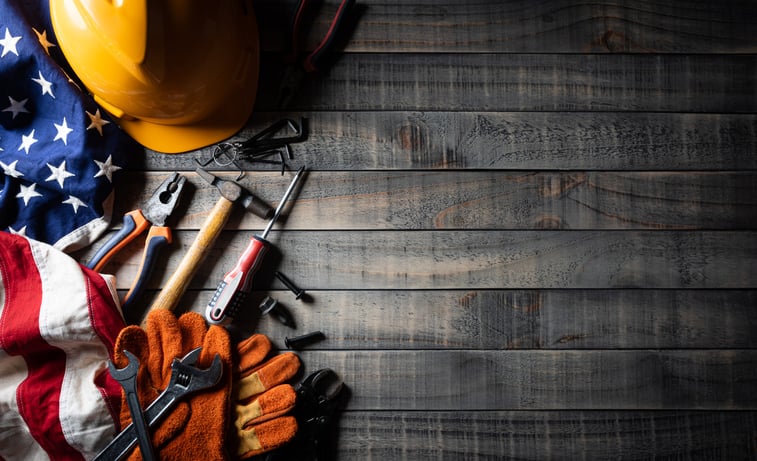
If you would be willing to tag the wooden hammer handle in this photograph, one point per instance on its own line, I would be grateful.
(171, 293)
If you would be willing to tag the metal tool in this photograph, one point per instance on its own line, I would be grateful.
(233, 289)
(298, 292)
(153, 215)
(185, 379)
(298, 342)
(270, 306)
(297, 67)
(127, 377)
(259, 147)
(319, 397)
(231, 193)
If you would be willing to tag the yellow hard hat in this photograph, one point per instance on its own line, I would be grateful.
(176, 74)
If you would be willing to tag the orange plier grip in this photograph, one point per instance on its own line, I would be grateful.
(134, 224)
(157, 238)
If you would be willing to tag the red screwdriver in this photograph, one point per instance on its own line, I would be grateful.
(235, 286)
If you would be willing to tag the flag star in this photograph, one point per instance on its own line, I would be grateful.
(97, 122)
(47, 87)
(42, 37)
(16, 107)
(26, 142)
(21, 232)
(107, 168)
(28, 192)
(9, 43)
(10, 170)
(63, 131)
(75, 202)
(59, 173)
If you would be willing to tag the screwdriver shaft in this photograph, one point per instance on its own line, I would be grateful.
(280, 207)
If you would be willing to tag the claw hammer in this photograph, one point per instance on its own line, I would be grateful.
(231, 194)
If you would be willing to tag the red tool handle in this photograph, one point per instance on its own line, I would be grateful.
(233, 289)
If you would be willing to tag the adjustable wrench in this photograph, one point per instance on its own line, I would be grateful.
(127, 376)
(185, 379)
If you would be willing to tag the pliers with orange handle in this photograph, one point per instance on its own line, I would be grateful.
(153, 215)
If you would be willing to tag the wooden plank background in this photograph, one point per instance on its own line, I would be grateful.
(528, 231)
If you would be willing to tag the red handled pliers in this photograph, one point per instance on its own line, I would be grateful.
(297, 66)
(153, 215)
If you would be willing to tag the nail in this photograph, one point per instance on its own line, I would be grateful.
(300, 341)
(298, 292)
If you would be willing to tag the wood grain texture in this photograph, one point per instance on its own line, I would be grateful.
(522, 26)
(526, 82)
(539, 435)
(471, 199)
(505, 140)
(518, 319)
(481, 259)
(528, 233)
(544, 380)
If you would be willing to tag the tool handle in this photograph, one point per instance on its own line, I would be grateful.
(134, 224)
(157, 238)
(138, 419)
(233, 289)
(176, 286)
(312, 61)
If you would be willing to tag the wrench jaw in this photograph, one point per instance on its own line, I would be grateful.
(185, 379)
(191, 379)
(130, 370)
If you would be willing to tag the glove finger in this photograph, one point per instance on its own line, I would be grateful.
(268, 405)
(216, 341)
(251, 352)
(133, 339)
(277, 370)
(266, 436)
(193, 329)
(165, 343)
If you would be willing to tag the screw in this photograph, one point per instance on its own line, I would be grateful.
(300, 341)
(298, 292)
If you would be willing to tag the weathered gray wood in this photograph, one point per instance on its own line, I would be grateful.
(479, 259)
(523, 26)
(539, 435)
(497, 140)
(465, 329)
(544, 380)
(526, 82)
(522, 319)
(482, 200)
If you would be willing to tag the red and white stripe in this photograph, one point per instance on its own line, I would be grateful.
(58, 324)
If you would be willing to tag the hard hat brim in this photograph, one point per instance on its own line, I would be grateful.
(176, 139)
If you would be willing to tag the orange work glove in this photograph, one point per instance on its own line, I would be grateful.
(262, 399)
(198, 427)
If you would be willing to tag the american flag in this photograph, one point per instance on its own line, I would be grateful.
(59, 153)
(58, 325)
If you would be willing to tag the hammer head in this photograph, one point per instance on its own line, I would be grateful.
(233, 192)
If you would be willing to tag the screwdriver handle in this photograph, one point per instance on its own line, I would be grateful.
(233, 289)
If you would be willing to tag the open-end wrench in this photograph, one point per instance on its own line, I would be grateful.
(127, 377)
(185, 379)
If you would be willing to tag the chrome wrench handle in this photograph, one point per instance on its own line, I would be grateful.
(185, 379)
